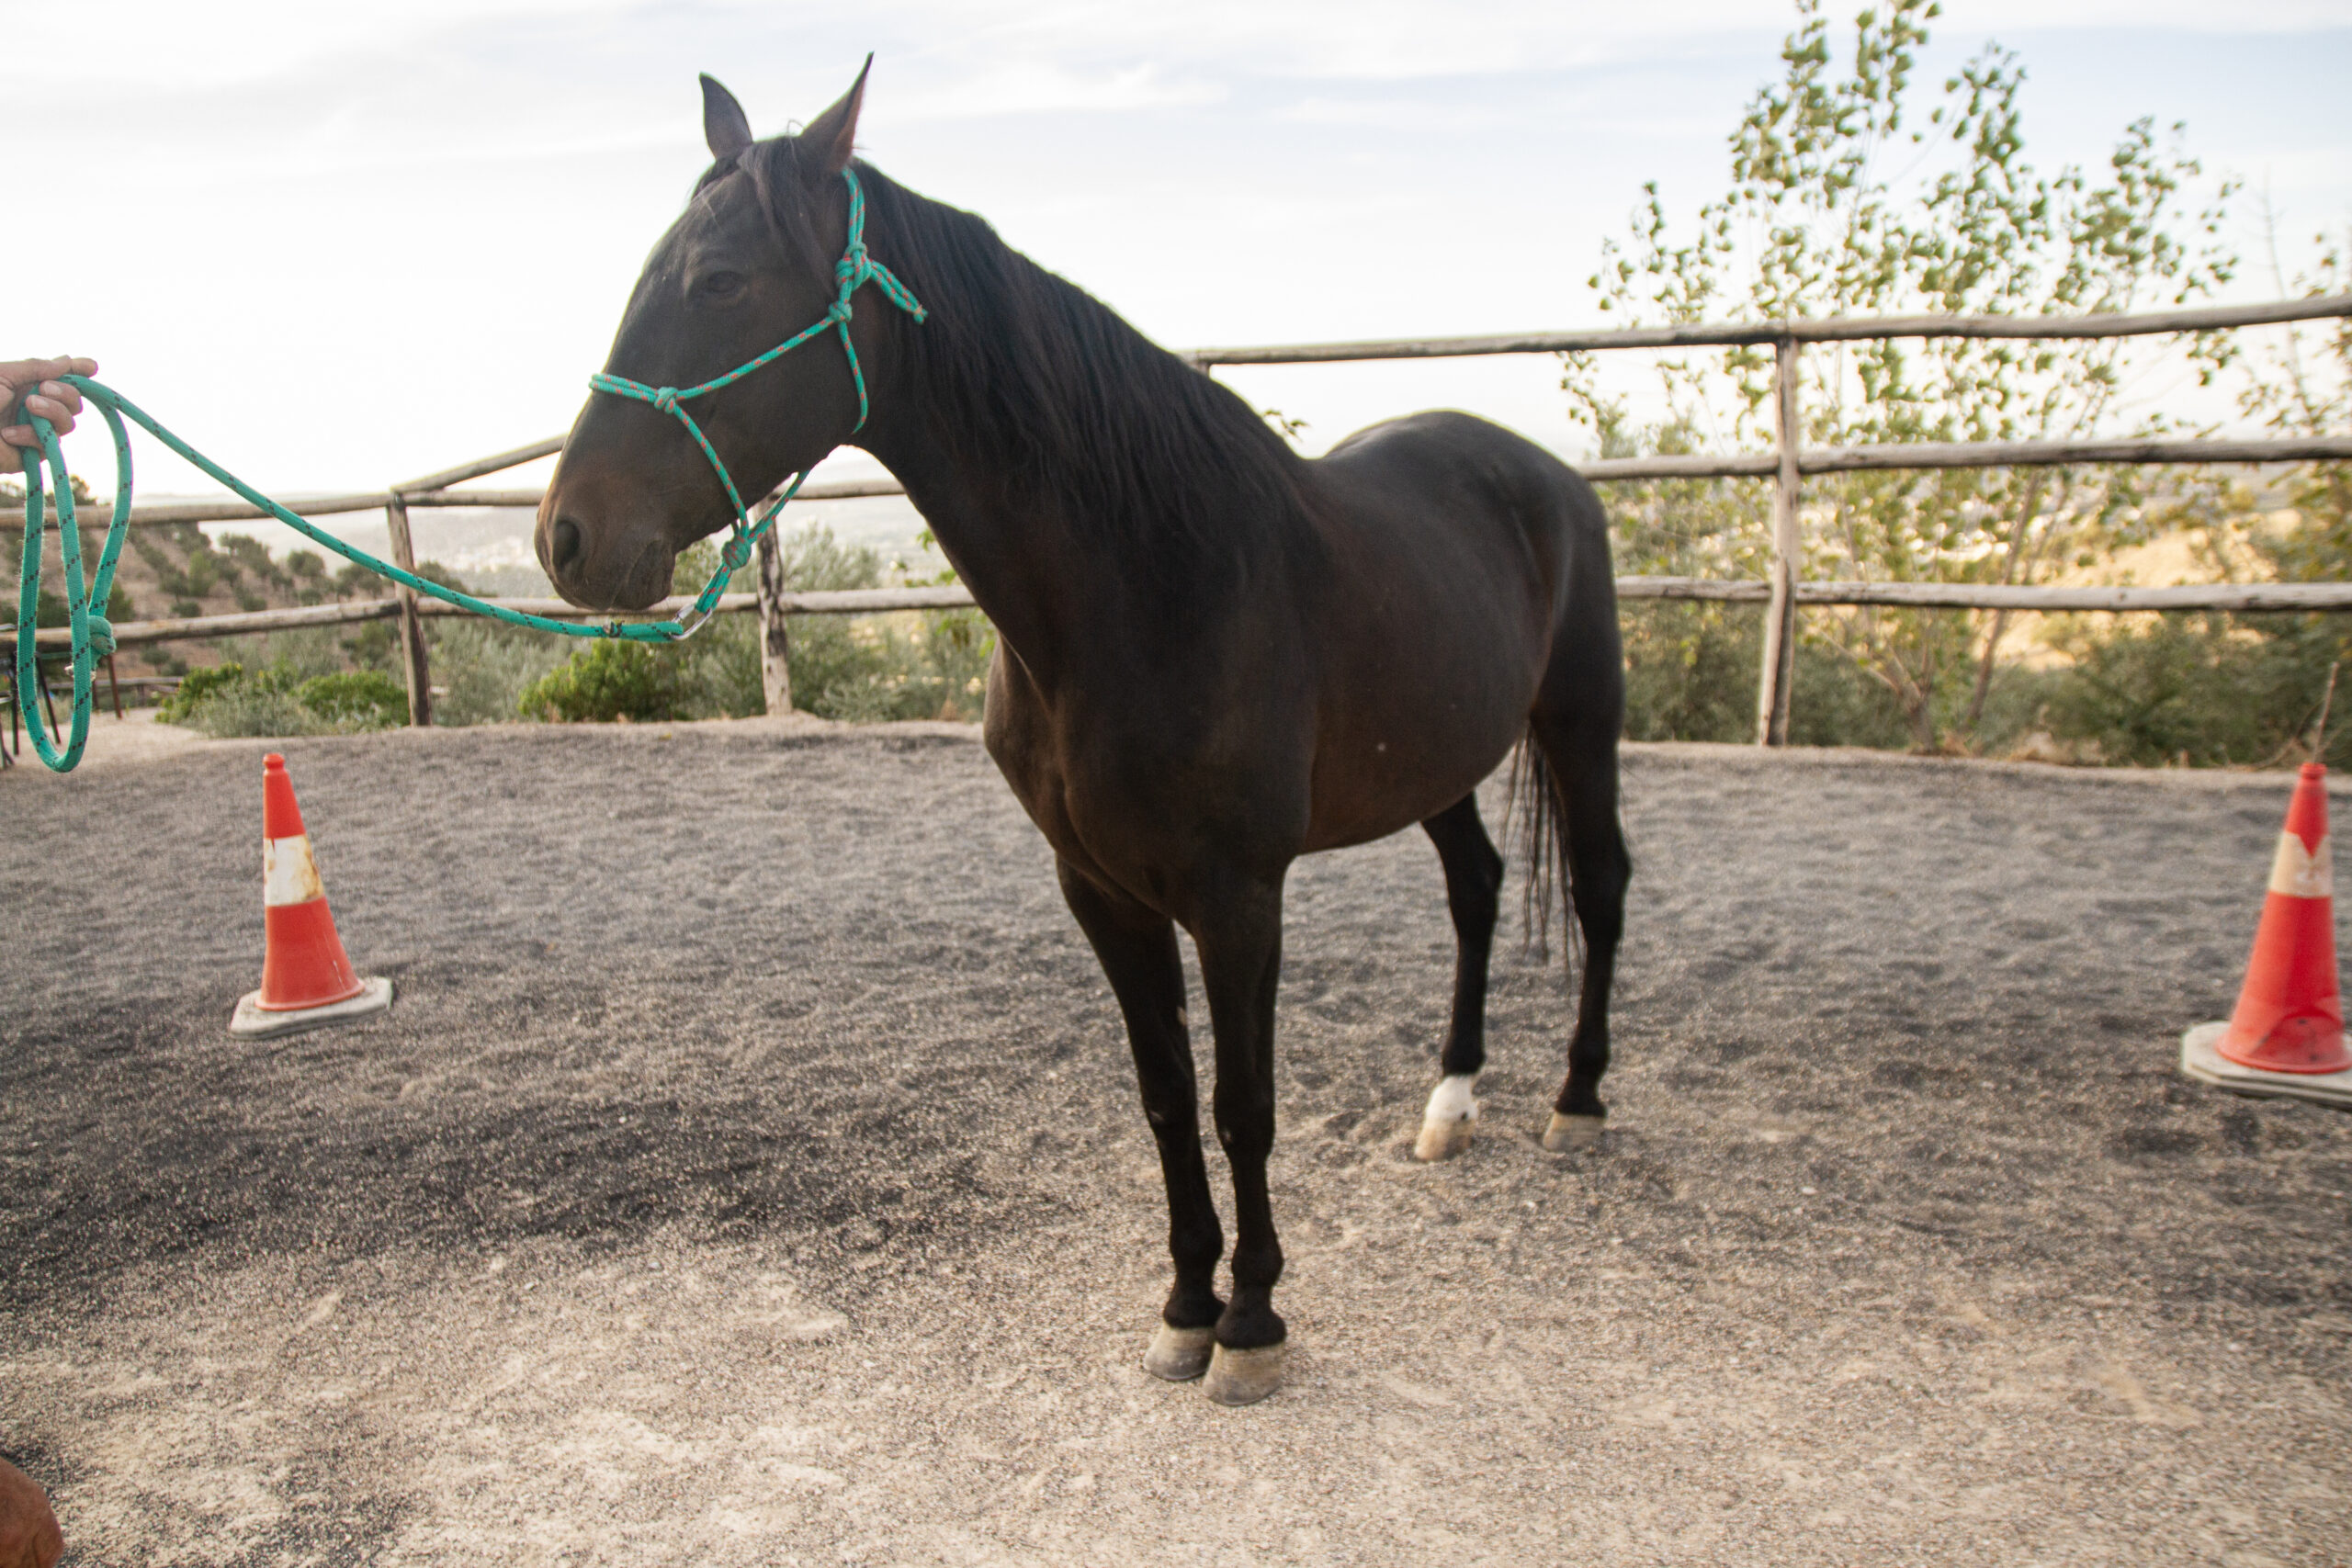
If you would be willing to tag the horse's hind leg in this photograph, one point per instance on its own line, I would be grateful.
(1137, 947)
(1580, 751)
(1473, 877)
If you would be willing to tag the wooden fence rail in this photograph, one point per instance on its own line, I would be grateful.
(1833, 329)
(2239, 597)
(1780, 591)
(1921, 454)
(166, 513)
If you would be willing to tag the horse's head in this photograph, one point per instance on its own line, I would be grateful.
(748, 265)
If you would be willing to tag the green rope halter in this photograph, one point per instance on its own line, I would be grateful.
(854, 268)
(91, 635)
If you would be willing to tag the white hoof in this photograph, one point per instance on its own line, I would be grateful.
(1244, 1377)
(1451, 1120)
(1567, 1134)
(1179, 1355)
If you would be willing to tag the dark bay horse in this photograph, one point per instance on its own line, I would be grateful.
(1214, 656)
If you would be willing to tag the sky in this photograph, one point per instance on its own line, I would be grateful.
(341, 246)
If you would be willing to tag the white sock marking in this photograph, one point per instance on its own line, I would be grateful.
(1452, 1100)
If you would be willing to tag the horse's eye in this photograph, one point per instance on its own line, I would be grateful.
(721, 285)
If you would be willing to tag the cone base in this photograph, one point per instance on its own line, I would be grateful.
(2314, 1044)
(251, 1022)
(2201, 1061)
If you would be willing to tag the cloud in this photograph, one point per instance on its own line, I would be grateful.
(1041, 87)
(1127, 55)
(226, 42)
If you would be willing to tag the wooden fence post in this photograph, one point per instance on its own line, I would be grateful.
(1777, 668)
(776, 640)
(412, 655)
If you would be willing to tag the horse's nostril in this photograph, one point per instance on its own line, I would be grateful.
(563, 544)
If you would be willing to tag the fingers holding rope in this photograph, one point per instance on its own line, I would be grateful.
(35, 381)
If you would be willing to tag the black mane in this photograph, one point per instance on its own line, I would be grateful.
(1091, 416)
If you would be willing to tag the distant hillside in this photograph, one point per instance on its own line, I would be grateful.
(175, 571)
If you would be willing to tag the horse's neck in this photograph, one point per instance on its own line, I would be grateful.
(1078, 567)
(1033, 574)
(1065, 593)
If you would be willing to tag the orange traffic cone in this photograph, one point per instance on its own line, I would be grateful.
(2287, 1035)
(306, 978)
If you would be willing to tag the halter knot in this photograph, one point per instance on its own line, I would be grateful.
(666, 400)
(855, 267)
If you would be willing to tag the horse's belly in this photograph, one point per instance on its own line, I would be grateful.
(1140, 795)
(1387, 765)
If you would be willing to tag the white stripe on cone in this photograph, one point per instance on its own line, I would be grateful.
(2296, 874)
(288, 874)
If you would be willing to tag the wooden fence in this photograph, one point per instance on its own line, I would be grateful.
(1786, 465)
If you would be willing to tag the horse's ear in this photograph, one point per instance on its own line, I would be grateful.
(832, 137)
(724, 125)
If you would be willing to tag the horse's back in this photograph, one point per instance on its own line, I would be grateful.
(1459, 553)
(1466, 506)
(1456, 470)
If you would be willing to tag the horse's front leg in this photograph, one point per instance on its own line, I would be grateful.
(1239, 931)
(1137, 948)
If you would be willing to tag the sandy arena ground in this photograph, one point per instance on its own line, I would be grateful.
(750, 1173)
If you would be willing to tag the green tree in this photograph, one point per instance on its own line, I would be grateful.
(2303, 386)
(2228, 689)
(1845, 201)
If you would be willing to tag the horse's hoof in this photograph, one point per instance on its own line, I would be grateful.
(1567, 1134)
(1450, 1120)
(1244, 1377)
(1443, 1140)
(1179, 1355)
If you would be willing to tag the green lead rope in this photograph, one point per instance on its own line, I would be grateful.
(92, 635)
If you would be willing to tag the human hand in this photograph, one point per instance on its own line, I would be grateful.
(57, 402)
(28, 1534)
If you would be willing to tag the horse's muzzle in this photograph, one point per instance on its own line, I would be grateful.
(603, 567)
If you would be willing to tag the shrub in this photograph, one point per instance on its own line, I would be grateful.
(480, 669)
(299, 653)
(252, 708)
(229, 700)
(610, 680)
(1691, 675)
(874, 668)
(861, 670)
(2203, 690)
(195, 687)
(360, 699)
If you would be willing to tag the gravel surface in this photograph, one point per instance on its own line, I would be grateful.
(750, 1172)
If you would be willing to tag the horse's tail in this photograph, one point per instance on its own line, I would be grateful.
(1541, 821)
